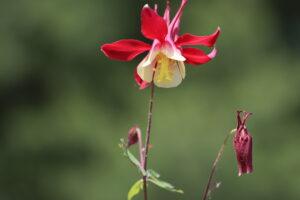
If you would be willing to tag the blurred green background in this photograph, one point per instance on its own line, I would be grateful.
(64, 106)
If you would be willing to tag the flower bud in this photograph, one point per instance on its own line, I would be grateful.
(242, 143)
(133, 137)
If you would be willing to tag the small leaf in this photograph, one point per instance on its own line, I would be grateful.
(164, 185)
(135, 189)
(132, 158)
(122, 141)
(135, 161)
(153, 173)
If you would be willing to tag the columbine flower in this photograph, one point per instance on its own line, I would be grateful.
(164, 64)
(243, 144)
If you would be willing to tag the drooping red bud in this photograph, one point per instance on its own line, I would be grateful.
(133, 137)
(242, 143)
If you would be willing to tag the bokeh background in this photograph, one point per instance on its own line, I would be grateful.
(64, 106)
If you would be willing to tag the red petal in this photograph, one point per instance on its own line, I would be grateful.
(153, 25)
(124, 50)
(189, 39)
(195, 56)
(139, 81)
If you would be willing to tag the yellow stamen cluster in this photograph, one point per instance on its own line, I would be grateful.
(163, 72)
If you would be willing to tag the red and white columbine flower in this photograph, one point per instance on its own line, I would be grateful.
(164, 64)
(242, 143)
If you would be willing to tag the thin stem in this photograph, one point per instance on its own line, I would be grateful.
(213, 169)
(139, 135)
(151, 100)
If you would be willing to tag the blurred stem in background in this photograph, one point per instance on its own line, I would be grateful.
(208, 189)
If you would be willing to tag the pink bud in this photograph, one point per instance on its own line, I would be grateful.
(243, 144)
(132, 136)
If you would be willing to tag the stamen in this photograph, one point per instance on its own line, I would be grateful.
(163, 72)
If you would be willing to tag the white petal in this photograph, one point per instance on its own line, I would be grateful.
(154, 51)
(172, 52)
(145, 71)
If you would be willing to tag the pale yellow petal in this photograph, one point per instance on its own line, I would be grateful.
(181, 67)
(177, 73)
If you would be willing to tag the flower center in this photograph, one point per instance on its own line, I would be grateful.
(163, 71)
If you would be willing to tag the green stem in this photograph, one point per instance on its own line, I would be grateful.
(148, 132)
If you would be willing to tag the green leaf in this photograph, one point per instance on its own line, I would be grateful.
(135, 189)
(153, 173)
(164, 185)
(132, 158)
(122, 142)
(135, 161)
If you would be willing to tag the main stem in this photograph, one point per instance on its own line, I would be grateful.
(213, 169)
(147, 143)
